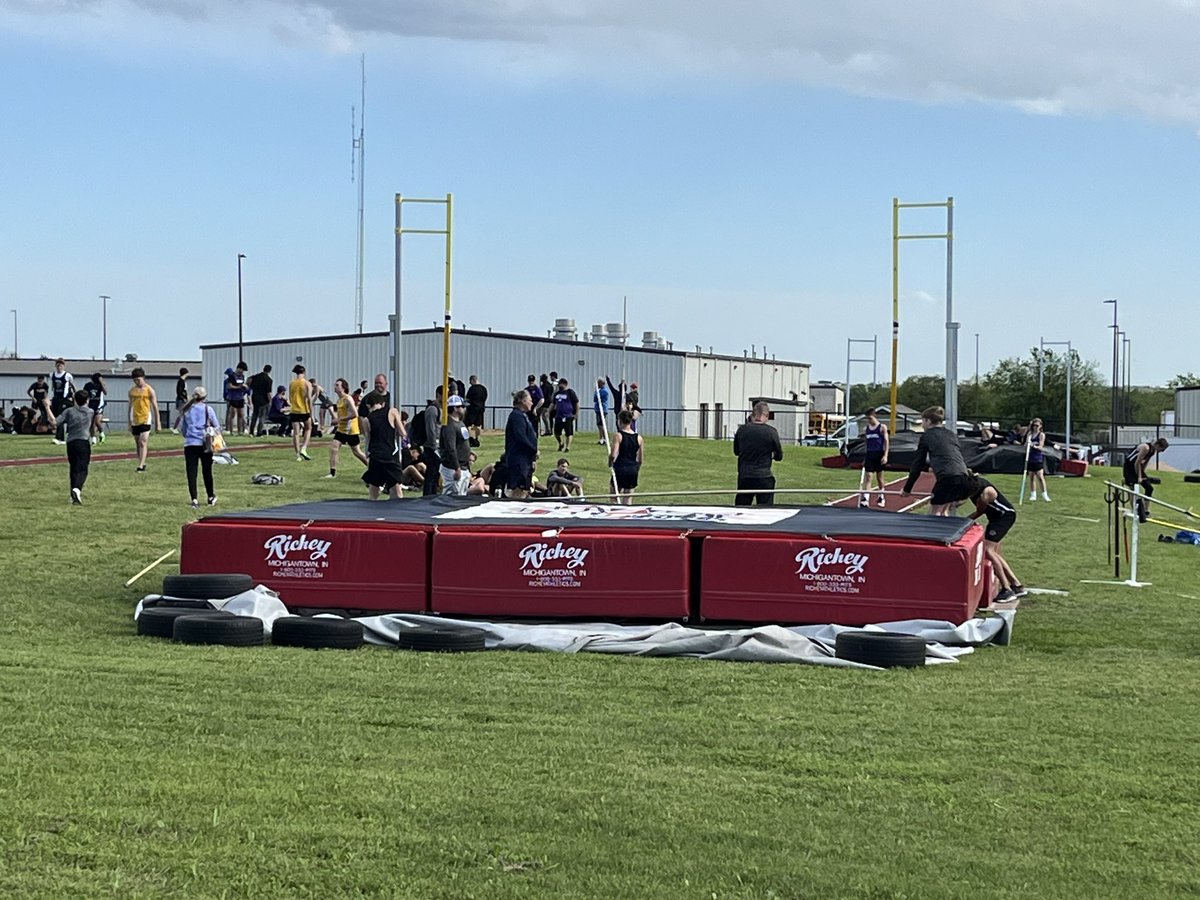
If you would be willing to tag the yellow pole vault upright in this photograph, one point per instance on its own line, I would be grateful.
(448, 232)
(951, 327)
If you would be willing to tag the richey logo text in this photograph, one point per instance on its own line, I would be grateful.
(814, 559)
(281, 546)
(536, 556)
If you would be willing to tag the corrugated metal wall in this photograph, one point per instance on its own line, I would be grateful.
(353, 357)
(1187, 412)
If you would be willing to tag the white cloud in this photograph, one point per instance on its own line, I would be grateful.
(1044, 57)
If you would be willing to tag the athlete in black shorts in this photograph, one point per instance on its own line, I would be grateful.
(939, 449)
(1134, 472)
(1001, 516)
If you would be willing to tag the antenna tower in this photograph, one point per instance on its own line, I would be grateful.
(357, 147)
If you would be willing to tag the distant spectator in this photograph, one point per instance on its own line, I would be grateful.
(1035, 463)
(600, 401)
(261, 386)
(476, 399)
(39, 393)
(279, 414)
(429, 432)
(346, 428)
(536, 398)
(566, 408)
(181, 389)
(455, 450)
(76, 422)
(236, 391)
(193, 423)
(97, 394)
(546, 424)
(62, 389)
(325, 407)
(300, 400)
(413, 475)
(756, 444)
(143, 415)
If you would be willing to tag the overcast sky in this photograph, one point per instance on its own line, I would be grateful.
(729, 167)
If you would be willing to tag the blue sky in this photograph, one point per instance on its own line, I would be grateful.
(728, 167)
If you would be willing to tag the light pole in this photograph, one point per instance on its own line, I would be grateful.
(104, 298)
(241, 256)
(1112, 437)
(14, 312)
(1127, 412)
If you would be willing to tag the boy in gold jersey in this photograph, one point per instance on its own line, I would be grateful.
(345, 429)
(300, 400)
(143, 415)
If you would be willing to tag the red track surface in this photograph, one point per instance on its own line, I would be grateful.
(895, 502)
(116, 457)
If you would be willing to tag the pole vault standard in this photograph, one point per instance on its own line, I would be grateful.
(951, 394)
(1043, 344)
(1125, 517)
(396, 316)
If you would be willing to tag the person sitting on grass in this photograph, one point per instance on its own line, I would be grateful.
(1001, 516)
(413, 475)
(562, 482)
(279, 413)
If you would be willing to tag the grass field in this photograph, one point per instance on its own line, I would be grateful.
(1065, 765)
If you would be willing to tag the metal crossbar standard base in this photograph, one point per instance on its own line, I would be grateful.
(1134, 495)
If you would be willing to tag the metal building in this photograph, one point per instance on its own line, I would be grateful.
(687, 394)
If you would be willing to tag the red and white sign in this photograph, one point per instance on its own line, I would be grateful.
(609, 574)
(802, 580)
(322, 566)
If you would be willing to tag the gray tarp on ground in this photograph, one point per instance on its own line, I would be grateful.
(812, 644)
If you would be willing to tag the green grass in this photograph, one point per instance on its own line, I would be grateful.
(1065, 765)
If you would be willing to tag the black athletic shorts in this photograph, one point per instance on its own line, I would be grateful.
(474, 417)
(564, 427)
(237, 404)
(873, 462)
(299, 417)
(351, 439)
(997, 528)
(951, 489)
(1035, 465)
(383, 473)
(626, 477)
(138, 429)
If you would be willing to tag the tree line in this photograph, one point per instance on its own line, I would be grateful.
(1010, 392)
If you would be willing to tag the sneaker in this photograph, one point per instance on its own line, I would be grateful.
(1018, 590)
(212, 501)
(103, 437)
(1046, 497)
(1004, 596)
(1032, 497)
(140, 469)
(304, 454)
(93, 439)
(76, 496)
(331, 476)
(60, 443)
(195, 504)
(881, 502)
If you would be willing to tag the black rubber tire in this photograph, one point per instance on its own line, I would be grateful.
(1192, 479)
(227, 630)
(165, 602)
(433, 639)
(206, 587)
(159, 621)
(317, 634)
(876, 648)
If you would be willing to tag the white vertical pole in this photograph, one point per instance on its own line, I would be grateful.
(1133, 550)
(397, 394)
(1070, 367)
(951, 399)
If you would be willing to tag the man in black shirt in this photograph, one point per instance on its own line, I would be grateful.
(938, 448)
(476, 399)
(756, 444)
(181, 390)
(261, 387)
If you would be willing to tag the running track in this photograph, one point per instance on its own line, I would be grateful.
(116, 457)
(895, 502)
